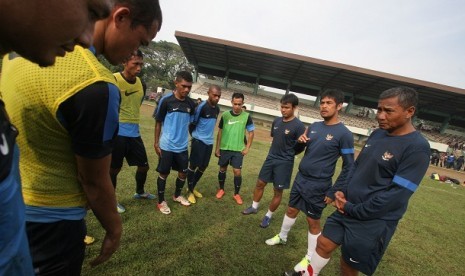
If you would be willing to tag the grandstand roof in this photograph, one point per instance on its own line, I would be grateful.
(309, 75)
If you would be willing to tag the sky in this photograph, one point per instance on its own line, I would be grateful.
(421, 39)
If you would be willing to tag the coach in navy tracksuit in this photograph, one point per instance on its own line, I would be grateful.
(386, 173)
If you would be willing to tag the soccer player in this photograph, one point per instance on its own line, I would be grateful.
(204, 123)
(36, 31)
(325, 142)
(230, 146)
(67, 116)
(174, 114)
(387, 172)
(128, 143)
(279, 163)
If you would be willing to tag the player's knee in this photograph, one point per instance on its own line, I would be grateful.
(325, 246)
(292, 212)
(143, 169)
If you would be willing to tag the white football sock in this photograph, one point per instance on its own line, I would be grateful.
(255, 204)
(286, 227)
(318, 263)
(311, 244)
(269, 213)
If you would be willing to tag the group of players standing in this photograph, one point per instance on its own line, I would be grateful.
(370, 194)
(67, 119)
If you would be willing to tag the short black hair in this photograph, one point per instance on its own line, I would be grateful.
(143, 12)
(237, 95)
(184, 75)
(335, 94)
(407, 96)
(290, 98)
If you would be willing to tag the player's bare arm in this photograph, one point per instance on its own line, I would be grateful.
(93, 174)
(156, 140)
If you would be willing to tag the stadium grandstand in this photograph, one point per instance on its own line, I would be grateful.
(441, 111)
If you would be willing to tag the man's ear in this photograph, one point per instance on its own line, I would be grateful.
(410, 112)
(121, 16)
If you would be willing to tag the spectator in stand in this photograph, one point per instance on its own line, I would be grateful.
(450, 161)
(459, 163)
(442, 158)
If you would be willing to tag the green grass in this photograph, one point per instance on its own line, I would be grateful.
(212, 237)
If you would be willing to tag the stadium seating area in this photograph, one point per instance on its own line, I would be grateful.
(313, 112)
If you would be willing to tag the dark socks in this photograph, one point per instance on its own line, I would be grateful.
(141, 177)
(161, 183)
(221, 179)
(190, 179)
(237, 184)
(198, 175)
(179, 185)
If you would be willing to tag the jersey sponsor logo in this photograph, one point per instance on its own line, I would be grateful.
(232, 122)
(387, 156)
(286, 131)
(4, 149)
(354, 261)
(329, 137)
(130, 93)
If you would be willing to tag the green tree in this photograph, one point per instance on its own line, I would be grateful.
(162, 59)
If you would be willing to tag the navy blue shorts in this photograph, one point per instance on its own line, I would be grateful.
(130, 147)
(277, 171)
(200, 154)
(233, 158)
(309, 195)
(363, 243)
(177, 161)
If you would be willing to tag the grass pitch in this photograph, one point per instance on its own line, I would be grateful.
(212, 237)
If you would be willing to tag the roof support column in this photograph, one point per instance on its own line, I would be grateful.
(255, 87)
(349, 106)
(445, 125)
(226, 78)
(196, 74)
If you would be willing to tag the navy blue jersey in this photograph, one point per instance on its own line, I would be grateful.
(386, 173)
(285, 135)
(205, 121)
(176, 116)
(326, 144)
(91, 118)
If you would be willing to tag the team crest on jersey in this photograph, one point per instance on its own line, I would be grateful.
(329, 137)
(286, 131)
(387, 156)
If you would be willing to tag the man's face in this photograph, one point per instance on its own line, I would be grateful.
(122, 40)
(214, 96)
(183, 87)
(50, 28)
(287, 110)
(237, 105)
(133, 66)
(391, 116)
(329, 108)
